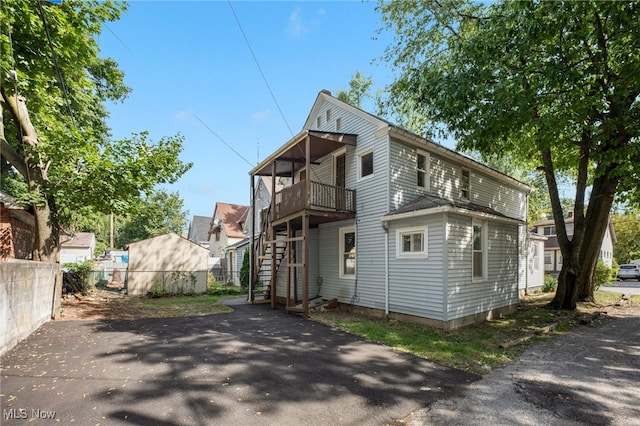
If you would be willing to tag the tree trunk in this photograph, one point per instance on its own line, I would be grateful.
(566, 293)
(27, 161)
(597, 222)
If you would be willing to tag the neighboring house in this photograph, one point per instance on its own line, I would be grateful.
(17, 229)
(199, 230)
(261, 200)
(532, 255)
(77, 248)
(552, 254)
(226, 228)
(168, 263)
(234, 255)
(380, 218)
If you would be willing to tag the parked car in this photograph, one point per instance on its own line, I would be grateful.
(628, 272)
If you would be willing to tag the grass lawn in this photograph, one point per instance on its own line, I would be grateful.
(475, 348)
(172, 306)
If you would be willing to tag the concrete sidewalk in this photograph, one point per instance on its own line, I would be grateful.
(254, 366)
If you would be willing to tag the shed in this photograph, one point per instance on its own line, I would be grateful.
(167, 263)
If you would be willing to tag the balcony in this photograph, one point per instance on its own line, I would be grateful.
(322, 197)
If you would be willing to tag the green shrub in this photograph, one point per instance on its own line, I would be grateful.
(219, 289)
(550, 284)
(83, 271)
(602, 275)
(244, 271)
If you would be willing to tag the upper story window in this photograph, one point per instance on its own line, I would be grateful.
(464, 184)
(422, 167)
(366, 163)
(338, 124)
(318, 121)
(549, 230)
(328, 115)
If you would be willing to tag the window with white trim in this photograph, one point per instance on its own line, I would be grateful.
(422, 167)
(365, 164)
(328, 115)
(464, 184)
(548, 259)
(412, 242)
(479, 244)
(347, 250)
(549, 230)
(338, 124)
(318, 121)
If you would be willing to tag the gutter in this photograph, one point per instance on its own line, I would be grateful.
(450, 209)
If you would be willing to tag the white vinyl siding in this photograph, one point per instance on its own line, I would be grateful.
(467, 297)
(416, 284)
(445, 180)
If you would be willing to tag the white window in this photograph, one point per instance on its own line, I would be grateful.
(549, 230)
(412, 242)
(365, 164)
(479, 243)
(547, 258)
(422, 167)
(347, 250)
(536, 257)
(464, 185)
(338, 124)
(318, 121)
(328, 115)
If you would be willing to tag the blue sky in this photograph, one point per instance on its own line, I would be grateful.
(189, 61)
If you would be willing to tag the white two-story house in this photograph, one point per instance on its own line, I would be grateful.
(552, 253)
(379, 218)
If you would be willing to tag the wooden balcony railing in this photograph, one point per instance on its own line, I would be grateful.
(322, 197)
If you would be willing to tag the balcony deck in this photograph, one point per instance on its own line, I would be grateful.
(326, 201)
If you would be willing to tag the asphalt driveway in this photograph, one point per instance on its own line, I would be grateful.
(253, 366)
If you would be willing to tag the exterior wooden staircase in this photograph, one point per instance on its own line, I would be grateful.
(267, 268)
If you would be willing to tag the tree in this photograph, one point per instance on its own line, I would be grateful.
(53, 129)
(358, 90)
(552, 85)
(160, 212)
(627, 227)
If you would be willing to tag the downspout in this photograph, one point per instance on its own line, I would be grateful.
(252, 255)
(385, 226)
(528, 246)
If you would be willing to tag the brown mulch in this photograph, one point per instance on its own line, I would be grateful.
(100, 304)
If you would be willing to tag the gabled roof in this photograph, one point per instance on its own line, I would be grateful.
(570, 220)
(429, 204)
(168, 236)
(232, 217)
(79, 239)
(199, 228)
(406, 136)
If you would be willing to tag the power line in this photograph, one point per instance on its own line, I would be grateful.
(260, 68)
(55, 63)
(222, 140)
